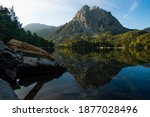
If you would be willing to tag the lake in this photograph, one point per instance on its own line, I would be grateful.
(94, 75)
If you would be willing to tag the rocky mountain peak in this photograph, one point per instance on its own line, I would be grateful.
(89, 15)
(82, 14)
(95, 8)
(85, 8)
(90, 21)
(96, 20)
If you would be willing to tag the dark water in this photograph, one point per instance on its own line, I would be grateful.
(96, 74)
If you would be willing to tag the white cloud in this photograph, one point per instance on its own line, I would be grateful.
(134, 5)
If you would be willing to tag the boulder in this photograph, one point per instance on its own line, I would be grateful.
(35, 68)
(25, 47)
(18, 69)
(6, 92)
(14, 65)
(9, 61)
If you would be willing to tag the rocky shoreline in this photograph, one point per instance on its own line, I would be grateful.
(15, 66)
(6, 92)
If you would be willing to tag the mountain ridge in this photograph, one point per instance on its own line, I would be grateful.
(40, 29)
(147, 29)
(89, 21)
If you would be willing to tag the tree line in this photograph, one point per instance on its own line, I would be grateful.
(11, 28)
(133, 39)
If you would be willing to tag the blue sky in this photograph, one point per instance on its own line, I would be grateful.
(131, 13)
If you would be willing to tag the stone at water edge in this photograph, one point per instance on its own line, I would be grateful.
(9, 61)
(28, 48)
(6, 92)
(12, 64)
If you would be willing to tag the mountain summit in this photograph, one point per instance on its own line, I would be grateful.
(96, 20)
(89, 21)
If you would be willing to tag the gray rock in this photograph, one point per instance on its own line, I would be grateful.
(6, 92)
(9, 61)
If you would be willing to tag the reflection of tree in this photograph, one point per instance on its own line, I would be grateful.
(133, 56)
(93, 69)
(130, 56)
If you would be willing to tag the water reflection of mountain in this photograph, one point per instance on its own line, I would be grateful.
(98, 67)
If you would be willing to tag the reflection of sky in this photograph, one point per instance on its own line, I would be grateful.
(59, 88)
(138, 72)
(23, 91)
(130, 83)
(65, 87)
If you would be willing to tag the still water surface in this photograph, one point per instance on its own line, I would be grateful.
(97, 74)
